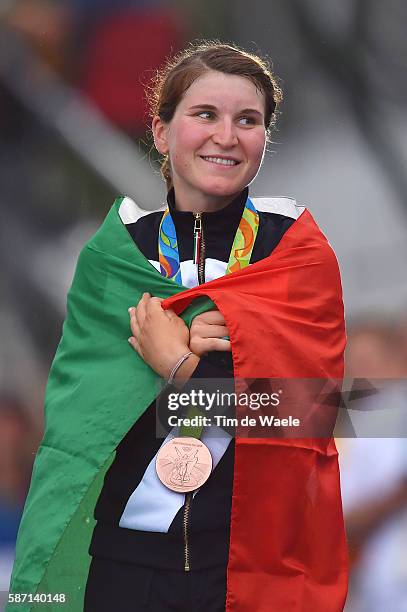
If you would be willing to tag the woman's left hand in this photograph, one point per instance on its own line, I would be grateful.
(160, 337)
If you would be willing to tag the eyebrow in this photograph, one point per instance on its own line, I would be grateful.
(212, 107)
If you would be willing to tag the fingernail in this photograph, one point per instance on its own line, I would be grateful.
(129, 340)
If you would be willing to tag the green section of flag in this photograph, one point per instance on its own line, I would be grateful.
(72, 552)
(98, 387)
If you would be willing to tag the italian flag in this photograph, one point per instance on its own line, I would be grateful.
(285, 319)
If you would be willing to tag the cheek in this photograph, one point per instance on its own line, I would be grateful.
(178, 150)
(189, 137)
(179, 160)
(255, 150)
(184, 145)
(258, 145)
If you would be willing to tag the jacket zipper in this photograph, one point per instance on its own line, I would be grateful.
(199, 260)
(199, 247)
(188, 499)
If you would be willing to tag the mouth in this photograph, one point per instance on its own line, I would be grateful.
(220, 161)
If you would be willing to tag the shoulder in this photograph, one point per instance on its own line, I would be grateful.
(130, 212)
(280, 205)
(277, 213)
(276, 216)
(142, 225)
(282, 213)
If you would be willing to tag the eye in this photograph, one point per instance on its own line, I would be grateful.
(247, 120)
(205, 114)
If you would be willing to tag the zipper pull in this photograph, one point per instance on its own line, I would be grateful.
(197, 237)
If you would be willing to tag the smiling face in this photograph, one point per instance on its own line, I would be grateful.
(215, 140)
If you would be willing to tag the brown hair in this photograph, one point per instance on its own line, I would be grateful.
(180, 71)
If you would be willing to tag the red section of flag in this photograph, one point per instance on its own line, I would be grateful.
(285, 319)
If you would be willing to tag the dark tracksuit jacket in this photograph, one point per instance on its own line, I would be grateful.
(139, 520)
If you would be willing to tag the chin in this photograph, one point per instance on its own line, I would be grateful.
(222, 189)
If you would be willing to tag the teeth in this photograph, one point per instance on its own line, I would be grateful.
(219, 160)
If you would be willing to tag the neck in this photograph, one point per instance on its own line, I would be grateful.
(202, 202)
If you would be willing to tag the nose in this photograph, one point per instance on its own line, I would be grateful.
(225, 134)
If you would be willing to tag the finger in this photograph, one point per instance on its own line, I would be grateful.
(155, 303)
(170, 314)
(141, 308)
(144, 298)
(218, 344)
(155, 309)
(205, 345)
(210, 331)
(213, 317)
(133, 321)
(134, 344)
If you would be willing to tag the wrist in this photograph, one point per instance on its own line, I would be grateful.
(169, 358)
(186, 370)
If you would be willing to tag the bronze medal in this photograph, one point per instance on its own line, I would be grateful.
(183, 464)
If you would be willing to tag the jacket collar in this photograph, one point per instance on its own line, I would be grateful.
(219, 221)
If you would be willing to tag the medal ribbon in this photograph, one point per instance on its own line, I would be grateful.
(239, 258)
(168, 254)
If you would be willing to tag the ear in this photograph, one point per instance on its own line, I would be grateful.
(160, 129)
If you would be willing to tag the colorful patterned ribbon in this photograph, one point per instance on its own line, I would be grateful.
(240, 254)
(168, 253)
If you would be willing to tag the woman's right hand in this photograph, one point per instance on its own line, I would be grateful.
(207, 332)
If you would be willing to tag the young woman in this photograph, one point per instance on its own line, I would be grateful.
(234, 534)
(213, 107)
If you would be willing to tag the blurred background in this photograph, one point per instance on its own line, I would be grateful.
(74, 135)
